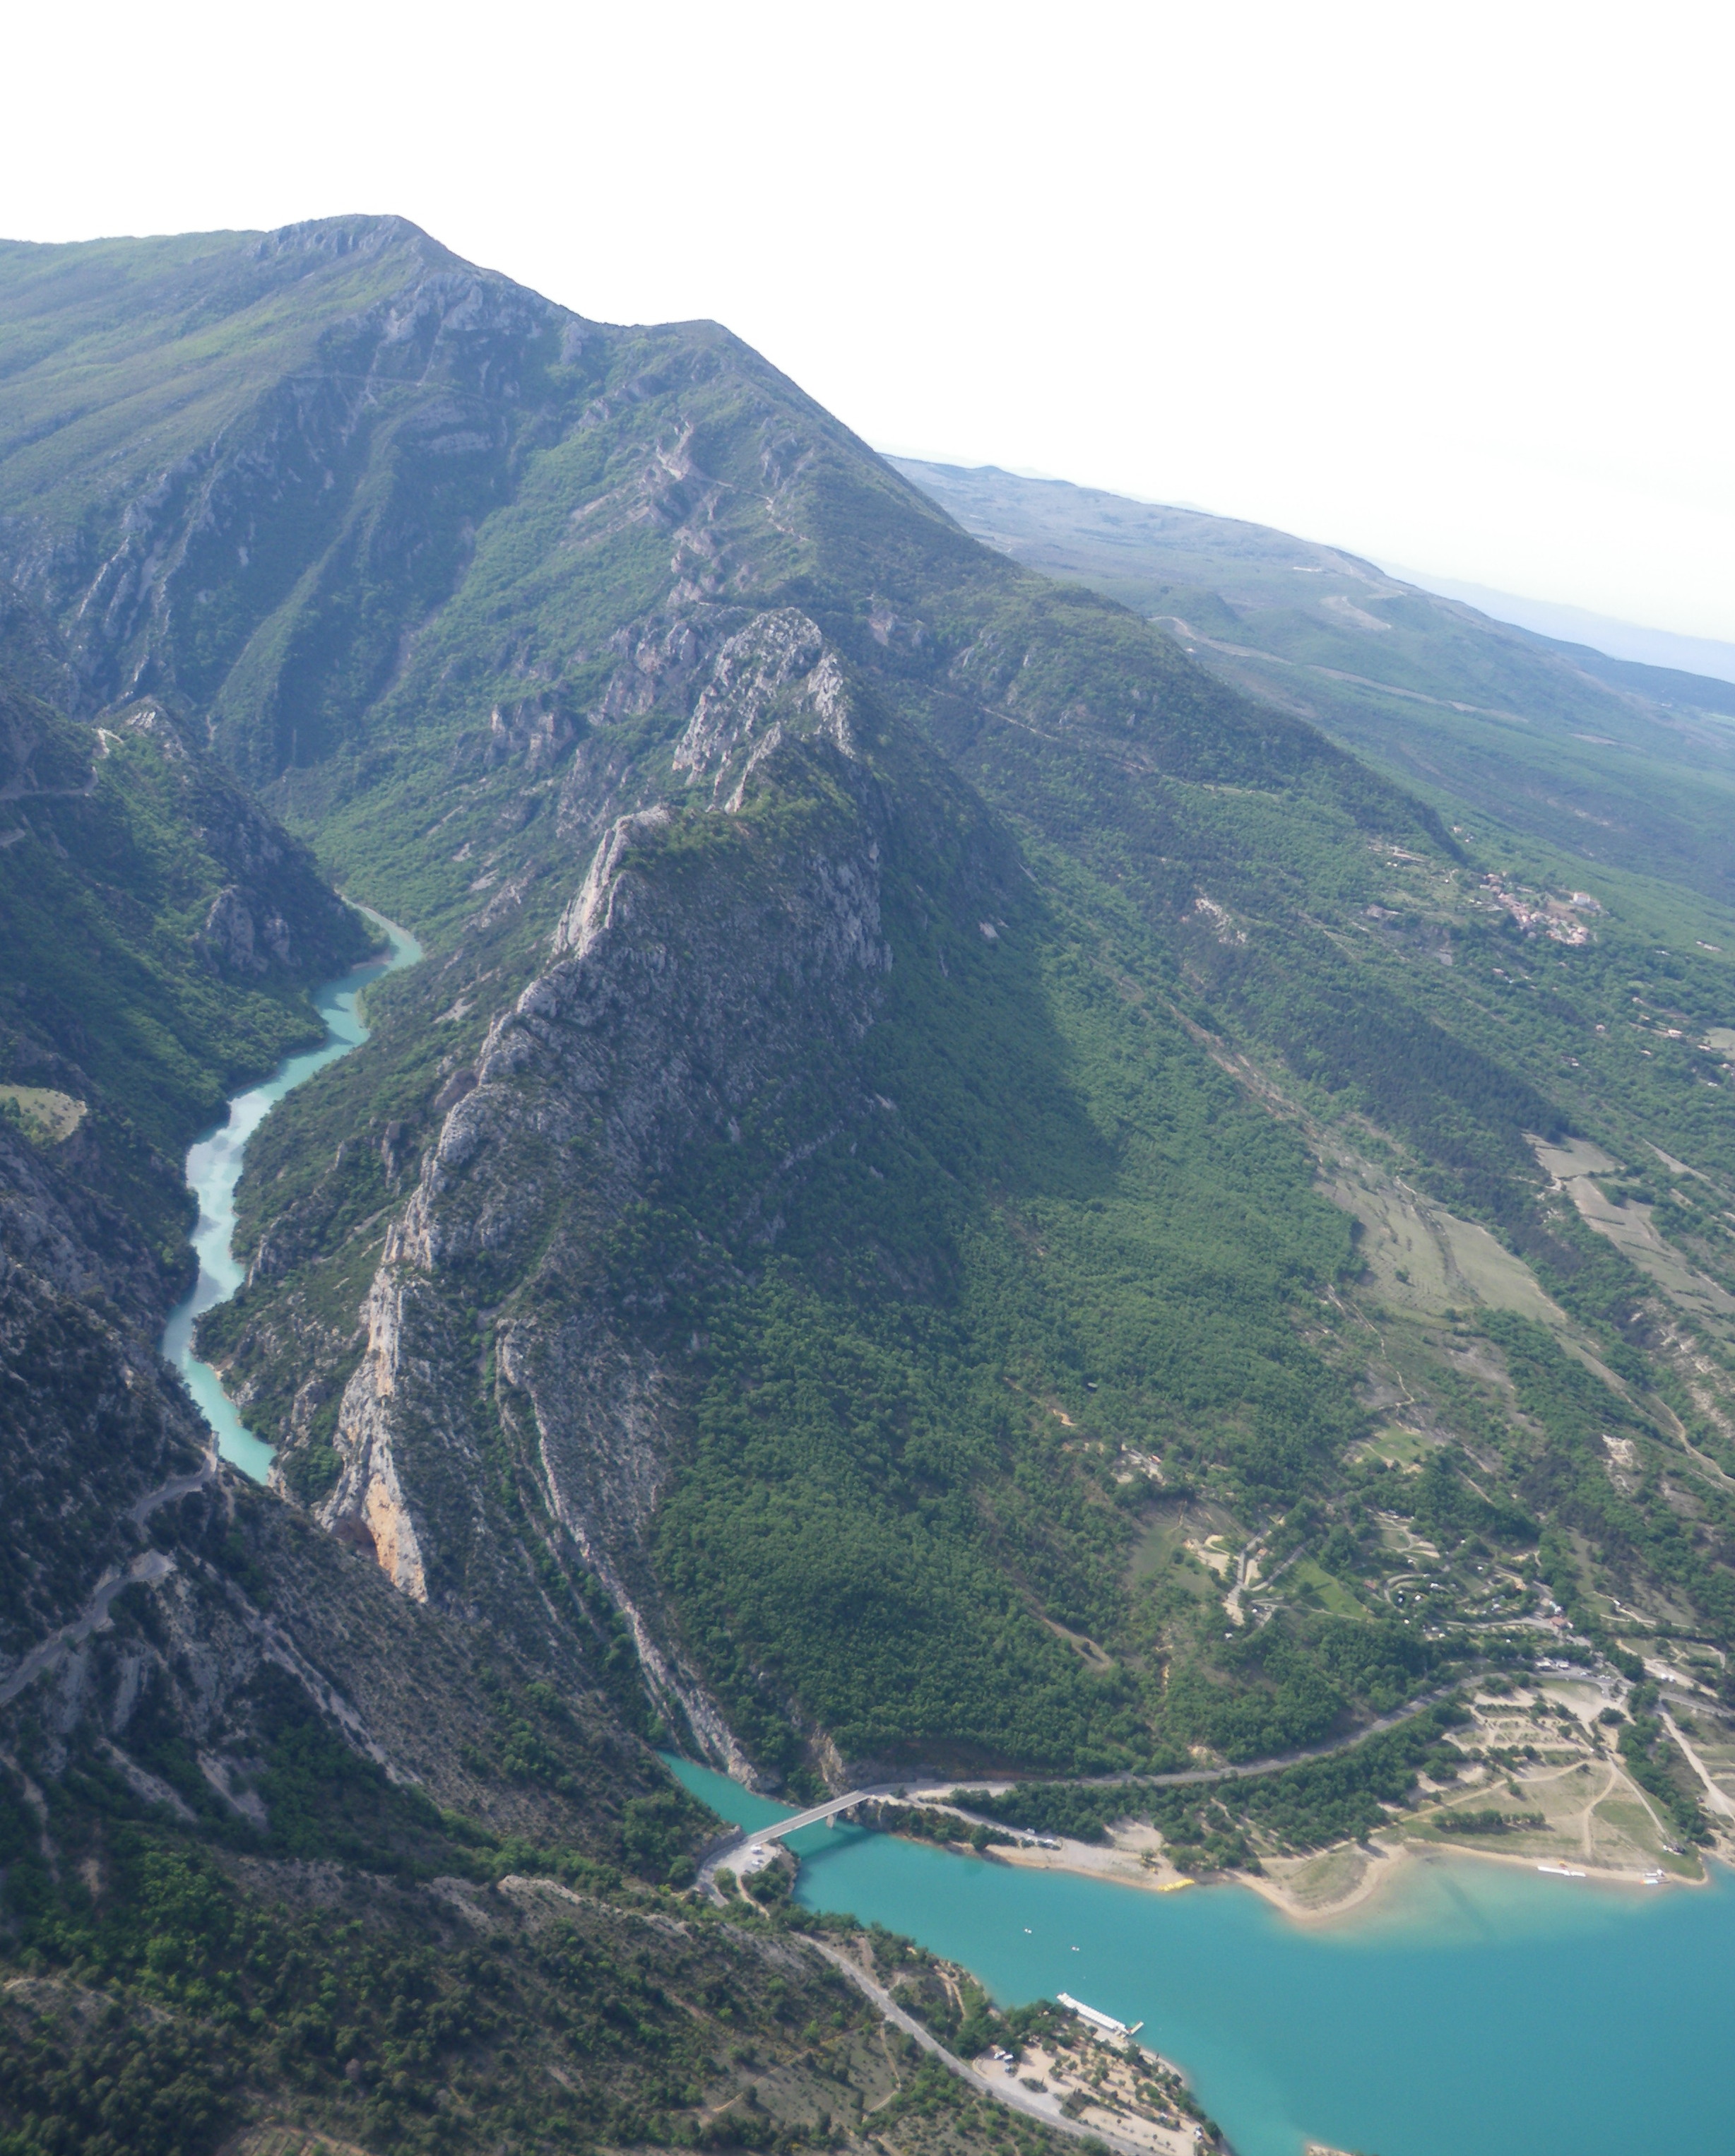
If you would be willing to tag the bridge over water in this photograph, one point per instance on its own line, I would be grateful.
(750, 1847)
(798, 1821)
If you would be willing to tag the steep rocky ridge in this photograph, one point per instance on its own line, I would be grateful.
(576, 708)
(699, 978)
(701, 1019)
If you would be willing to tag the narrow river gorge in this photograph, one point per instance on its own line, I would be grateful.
(214, 1168)
(1471, 2009)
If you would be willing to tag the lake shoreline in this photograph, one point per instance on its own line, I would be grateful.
(1358, 1876)
(1344, 2022)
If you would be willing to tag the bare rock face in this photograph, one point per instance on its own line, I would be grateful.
(709, 957)
(227, 937)
(776, 668)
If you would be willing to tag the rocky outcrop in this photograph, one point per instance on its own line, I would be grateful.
(707, 961)
(231, 941)
(369, 1509)
(775, 669)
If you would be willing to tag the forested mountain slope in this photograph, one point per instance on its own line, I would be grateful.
(929, 1116)
(282, 1849)
(159, 935)
(1628, 766)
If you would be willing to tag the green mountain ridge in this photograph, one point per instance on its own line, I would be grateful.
(1077, 729)
(970, 1180)
(162, 934)
(1628, 766)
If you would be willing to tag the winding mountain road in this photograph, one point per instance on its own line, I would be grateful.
(1045, 2107)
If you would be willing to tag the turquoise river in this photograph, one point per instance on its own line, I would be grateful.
(1474, 2009)
(214, 1168)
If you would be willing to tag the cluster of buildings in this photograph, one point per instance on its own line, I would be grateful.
(1539, 913)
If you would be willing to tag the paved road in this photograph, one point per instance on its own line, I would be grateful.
(798, 1821)
(149, 1566)
(1132, 1778)
(1007, 2090)
(934, 1797)
(177, 1486)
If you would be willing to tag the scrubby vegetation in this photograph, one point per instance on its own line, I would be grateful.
(377, 1972)
(1309, 1806)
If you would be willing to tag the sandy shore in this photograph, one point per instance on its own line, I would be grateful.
(1309, 1890)
(1324, 1888)
(1134, 1857)
(1312, 1890)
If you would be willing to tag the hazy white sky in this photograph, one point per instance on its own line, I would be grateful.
(1449, 285)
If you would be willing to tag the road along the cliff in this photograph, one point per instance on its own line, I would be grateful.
(1010, 2091)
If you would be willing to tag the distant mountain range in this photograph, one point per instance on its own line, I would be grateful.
(1038, 1136)
(1663, 650)
(1628, 764)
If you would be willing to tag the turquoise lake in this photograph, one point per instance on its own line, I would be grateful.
(214, 1168)
(1476, 2009)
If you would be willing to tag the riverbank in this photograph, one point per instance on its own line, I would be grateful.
(213, 1170)
(1539, 1755)
(1313, 1890)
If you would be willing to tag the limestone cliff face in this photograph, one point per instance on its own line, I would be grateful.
(713, 954)
(775, 670)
